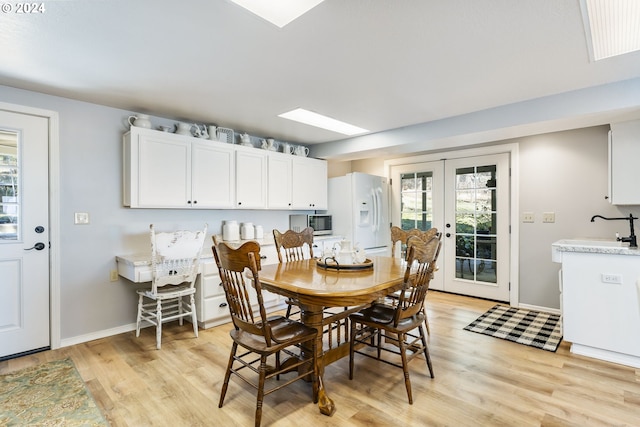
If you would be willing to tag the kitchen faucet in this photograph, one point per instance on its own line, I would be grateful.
(633, 243)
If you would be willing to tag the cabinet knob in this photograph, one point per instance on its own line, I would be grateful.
(188, 202)
(195, 201)
(239, 203)
(224, 304)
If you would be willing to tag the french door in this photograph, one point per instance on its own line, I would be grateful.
(24, 233)
(467, 199)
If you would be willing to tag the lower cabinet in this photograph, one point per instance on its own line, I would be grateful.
(211, 302)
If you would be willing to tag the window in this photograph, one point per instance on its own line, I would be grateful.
(416, 202)
(8, 186)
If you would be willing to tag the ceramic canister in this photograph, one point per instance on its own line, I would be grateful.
(258, 232)
(246, 231)
(230, 230)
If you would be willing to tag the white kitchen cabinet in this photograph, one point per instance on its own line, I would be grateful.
(297, 182)
(309, 184)
(163, 170)
(279, 181)
(251, 178)
(624, 152)
(600, 305)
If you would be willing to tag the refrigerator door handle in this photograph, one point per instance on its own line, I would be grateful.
(377, 209)
(374, 208)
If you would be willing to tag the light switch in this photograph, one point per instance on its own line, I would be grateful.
(81, 218)
(548, 217)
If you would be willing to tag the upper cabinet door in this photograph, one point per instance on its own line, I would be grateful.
(251, 178)
(213, 175)
(279, 181)
(309, 184)
(158, 173)
(624, 152)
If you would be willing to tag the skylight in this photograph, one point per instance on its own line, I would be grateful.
(278, 12)
(612, 27)
(318, 120)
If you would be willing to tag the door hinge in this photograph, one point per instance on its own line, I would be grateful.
(390, 181)
(509, 285)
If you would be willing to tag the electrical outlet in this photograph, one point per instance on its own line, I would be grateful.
(548, 217)
(81, 218)
(528, 217)
(611, 278)
(113, 275)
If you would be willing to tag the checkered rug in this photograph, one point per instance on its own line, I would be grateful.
(528, 327)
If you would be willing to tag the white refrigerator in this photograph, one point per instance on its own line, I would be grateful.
(359, 205)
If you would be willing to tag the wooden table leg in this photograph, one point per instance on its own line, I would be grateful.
(312, 316)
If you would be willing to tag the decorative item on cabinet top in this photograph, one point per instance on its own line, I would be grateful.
(140, 120)
(225, 135)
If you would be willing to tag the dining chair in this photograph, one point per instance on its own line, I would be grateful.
(402, 236)
(291, 244)
(397, 323)
(175, 261)
(258, 334)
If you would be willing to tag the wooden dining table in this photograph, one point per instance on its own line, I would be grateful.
(316, 288)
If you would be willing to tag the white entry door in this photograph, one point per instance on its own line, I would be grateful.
(467, 199)
(24, 233)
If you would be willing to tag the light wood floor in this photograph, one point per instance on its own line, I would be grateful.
(479, 381)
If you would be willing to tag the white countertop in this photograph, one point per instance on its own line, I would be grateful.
(598, 246)
(142, 259)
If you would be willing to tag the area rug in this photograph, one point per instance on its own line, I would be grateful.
(528, 327)
(50, 394)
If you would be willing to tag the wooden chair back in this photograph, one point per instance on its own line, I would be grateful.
(292, 243)
(175, 257)
(400, 235)
(421, 257)
(233, 265)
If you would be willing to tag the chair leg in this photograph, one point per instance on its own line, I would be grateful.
(227, 374)
(262, 373)
(426, 351)
(288, 311)
(159, 324)
(194, 317)
(316, 371)
(139, 318)
(426, 320)
(352, 338)
(405, 367)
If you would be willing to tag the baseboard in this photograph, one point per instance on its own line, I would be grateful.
(79, 339)
(538, 308)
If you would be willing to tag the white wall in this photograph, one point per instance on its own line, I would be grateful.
(90, 181)
(565, 173)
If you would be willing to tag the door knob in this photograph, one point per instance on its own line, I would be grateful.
(38, 247)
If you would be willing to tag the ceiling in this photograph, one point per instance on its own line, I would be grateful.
(377, 64)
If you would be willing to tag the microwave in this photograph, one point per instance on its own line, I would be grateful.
(321, 224)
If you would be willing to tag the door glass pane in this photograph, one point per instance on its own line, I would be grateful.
(476, 223)
(416, 200)
(9, 186)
